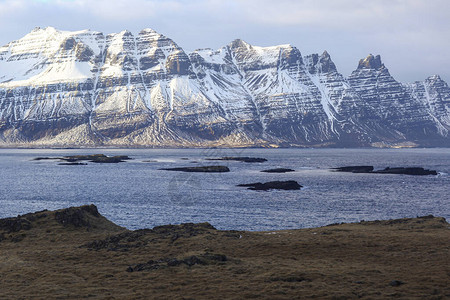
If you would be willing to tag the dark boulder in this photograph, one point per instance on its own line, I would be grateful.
(278, 185)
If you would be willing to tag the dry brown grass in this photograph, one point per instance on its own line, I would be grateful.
(88, 257)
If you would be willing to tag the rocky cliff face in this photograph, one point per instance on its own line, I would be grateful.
(84, 88)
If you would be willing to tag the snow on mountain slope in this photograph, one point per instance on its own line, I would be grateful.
(434, 95)
(87, 88)
(388, 108)
(45, 56)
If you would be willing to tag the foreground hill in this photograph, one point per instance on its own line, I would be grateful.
(84, 88)
(76, 253)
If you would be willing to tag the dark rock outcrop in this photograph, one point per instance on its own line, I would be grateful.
(278, 170)
(77, 216)
(371, 62)
(15, 224)
(243, 159)
(109, 160)
(95, 158)
(201, 259)
(127, 240)
(388, 170)
(278, 185)
(205, 169)
(406, 171)
(355, 169)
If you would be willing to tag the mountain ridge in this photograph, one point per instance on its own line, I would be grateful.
(84, 88)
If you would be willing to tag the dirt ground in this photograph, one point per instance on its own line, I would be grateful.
(76, 253)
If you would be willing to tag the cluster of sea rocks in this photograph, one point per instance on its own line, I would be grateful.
(259, 186)
(294, 185)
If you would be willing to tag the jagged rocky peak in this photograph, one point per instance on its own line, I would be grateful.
(290, 56)
(316, 63)
(439, 90)
(326, 64)
(238, 43)
(48, 29)
(371, 62)
(433, 79)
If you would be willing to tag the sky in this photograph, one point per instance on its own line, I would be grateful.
(412, 36)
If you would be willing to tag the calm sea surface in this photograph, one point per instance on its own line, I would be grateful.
(136, 194)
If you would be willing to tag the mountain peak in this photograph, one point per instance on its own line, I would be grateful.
(149, 31)
(125, 33)
(434, 77)
(50, 28)
(46, 30)
(320, 64)
(371, 62)
(238, 43)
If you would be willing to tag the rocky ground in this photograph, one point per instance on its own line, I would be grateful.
(76, 253)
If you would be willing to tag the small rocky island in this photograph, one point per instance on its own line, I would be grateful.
(273, 185)
(95, 158)
(205, 169)
(278, 170)
(243, 159)
(388, 170)
(72, 164)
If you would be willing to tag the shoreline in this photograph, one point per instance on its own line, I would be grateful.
(88, 207)
(131, 147)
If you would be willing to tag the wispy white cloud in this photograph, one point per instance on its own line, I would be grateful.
(401, 30)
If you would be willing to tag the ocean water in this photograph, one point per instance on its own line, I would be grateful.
(136, 194)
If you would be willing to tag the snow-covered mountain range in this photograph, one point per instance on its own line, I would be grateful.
(84, 88)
